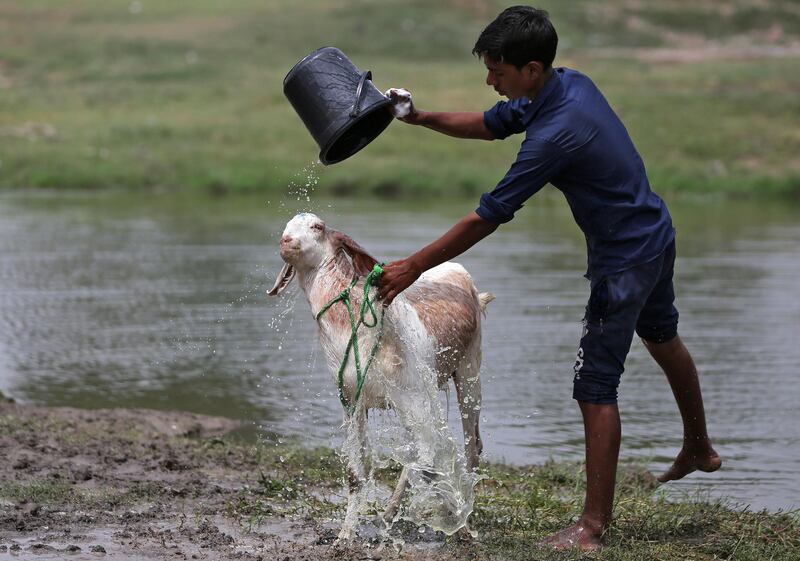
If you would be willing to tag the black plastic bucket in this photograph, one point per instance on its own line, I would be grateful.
(338, 103)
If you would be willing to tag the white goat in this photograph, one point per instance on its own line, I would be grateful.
(436, 323)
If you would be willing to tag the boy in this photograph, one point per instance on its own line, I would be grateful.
(575, 141)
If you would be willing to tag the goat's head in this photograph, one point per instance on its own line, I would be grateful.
(307, 243)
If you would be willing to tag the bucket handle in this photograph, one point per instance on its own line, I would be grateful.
(356, 107)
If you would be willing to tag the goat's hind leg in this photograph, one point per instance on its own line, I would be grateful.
(468, 391)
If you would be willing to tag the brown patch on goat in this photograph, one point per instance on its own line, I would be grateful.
(450, 314)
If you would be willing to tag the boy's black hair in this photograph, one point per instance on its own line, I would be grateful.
(517, 36)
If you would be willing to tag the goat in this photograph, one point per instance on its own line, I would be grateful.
(436, 322)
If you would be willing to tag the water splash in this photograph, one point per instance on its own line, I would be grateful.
(302, 186)
(412, 433)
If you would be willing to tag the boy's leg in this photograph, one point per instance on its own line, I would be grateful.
(697, 452)
(611, 314)
(603, 432)
(658, 327)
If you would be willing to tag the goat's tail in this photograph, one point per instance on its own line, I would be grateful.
(484, 298)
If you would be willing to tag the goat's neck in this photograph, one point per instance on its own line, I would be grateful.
(324, 283)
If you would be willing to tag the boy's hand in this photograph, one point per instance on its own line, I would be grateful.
(402, 107)
(396, 277)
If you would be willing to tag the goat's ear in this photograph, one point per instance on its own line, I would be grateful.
(284, 278)
(363, 262)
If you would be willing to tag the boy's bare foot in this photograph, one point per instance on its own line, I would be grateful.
(580, 535)
(706, 460)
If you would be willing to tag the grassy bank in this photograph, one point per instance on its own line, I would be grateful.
(518, 506)
(142, 484)
(184, 95)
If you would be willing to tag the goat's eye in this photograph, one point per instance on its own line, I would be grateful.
(317, 227)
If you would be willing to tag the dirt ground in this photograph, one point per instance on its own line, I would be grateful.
(139, 484)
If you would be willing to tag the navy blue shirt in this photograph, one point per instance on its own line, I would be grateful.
(575, 141)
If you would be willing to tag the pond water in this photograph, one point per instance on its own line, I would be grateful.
(158, 301)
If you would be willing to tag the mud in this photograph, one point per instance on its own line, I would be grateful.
(140, 484)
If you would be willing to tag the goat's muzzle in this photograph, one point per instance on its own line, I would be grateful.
(288, 248)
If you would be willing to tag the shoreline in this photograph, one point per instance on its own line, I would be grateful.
(143, 484)
(140, 484)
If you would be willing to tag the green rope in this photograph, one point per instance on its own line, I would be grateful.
(367, 306)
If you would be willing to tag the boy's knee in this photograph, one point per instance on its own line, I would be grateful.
(595, 387)
(657, 333)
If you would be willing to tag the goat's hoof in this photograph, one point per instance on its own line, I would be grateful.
(345, 536)
(465, 535)
(389, 517)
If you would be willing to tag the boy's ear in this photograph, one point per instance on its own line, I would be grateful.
(535, 68)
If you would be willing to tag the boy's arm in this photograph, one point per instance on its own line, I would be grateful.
(460, 125)
(399, 275)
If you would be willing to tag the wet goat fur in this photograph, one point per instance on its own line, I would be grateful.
(437, 319)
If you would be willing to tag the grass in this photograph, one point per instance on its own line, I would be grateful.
(181, 95)
(61, 492)
(514, 507)
(517, 506)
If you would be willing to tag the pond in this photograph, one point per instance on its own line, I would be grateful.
(159, 301)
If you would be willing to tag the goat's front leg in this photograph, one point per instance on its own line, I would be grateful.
(394, 502)
(355, 446)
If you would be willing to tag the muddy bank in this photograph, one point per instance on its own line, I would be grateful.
(147, 485)
(139, 484)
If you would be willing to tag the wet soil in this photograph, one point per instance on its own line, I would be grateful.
(140, 484)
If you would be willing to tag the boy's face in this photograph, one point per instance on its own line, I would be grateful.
(510, 81)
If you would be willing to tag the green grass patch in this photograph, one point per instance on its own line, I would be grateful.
(59, 494)
(40, 492)
(516, 507)
(187, 96)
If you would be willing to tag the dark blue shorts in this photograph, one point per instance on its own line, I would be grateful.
(640, 299)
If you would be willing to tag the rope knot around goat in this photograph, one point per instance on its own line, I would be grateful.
(367, 307)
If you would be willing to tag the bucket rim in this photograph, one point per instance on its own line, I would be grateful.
(378, 105)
